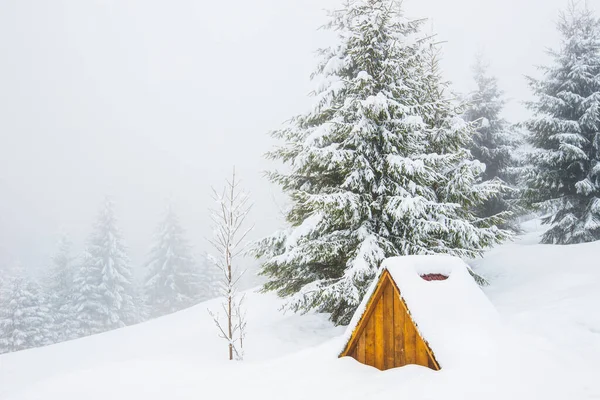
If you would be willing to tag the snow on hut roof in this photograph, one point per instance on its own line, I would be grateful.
(453, 315)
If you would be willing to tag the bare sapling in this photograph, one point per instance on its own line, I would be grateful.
(229, 234)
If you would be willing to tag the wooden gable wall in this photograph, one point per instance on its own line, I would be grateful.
(386, 336)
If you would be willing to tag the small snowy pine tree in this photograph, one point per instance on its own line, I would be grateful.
(104, 296)
(173, 280)
(378, 168)
(25, 316)
(565, 181)
(211, 277)
(495, 143)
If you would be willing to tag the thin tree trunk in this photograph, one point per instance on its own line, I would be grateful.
(229, 322)
(229, 272)
(228, 219)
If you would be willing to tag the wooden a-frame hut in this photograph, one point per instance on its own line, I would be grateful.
(386, 336)
(423, 310)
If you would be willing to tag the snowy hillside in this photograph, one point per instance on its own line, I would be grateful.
(548, 349)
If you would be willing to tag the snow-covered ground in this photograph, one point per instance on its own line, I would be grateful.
(547, 297)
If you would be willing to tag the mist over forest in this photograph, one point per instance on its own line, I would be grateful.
(149, 101)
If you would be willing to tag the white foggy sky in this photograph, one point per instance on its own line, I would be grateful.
(145, 100)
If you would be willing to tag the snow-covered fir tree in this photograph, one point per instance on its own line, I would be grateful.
(59, 288)
(25, 315)
(565, 131)
(174, 280)
(378, 168)
(211, 277)
(495, 142)
(105, 294)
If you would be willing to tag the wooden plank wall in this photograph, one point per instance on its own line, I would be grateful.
(386, 337)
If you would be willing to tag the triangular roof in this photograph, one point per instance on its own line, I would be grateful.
(451, 316)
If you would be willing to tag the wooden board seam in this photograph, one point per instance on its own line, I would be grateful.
(429, 351)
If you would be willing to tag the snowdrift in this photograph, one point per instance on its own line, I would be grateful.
(451, 313)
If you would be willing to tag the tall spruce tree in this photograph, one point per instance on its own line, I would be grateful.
(495, 142)
(105, 294)
(378, 168)
(173, 280)
(565, 132)
(59, 287)
(25, 316)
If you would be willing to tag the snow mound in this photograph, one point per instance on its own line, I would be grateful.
(453, 315)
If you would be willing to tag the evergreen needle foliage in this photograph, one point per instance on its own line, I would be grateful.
(495, 144)
(379, 167)
(25, 316)
(105, 296)
(565, 181)
(173, 281)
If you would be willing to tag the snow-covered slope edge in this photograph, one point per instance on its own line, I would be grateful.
(186, 336)
(546, 295)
